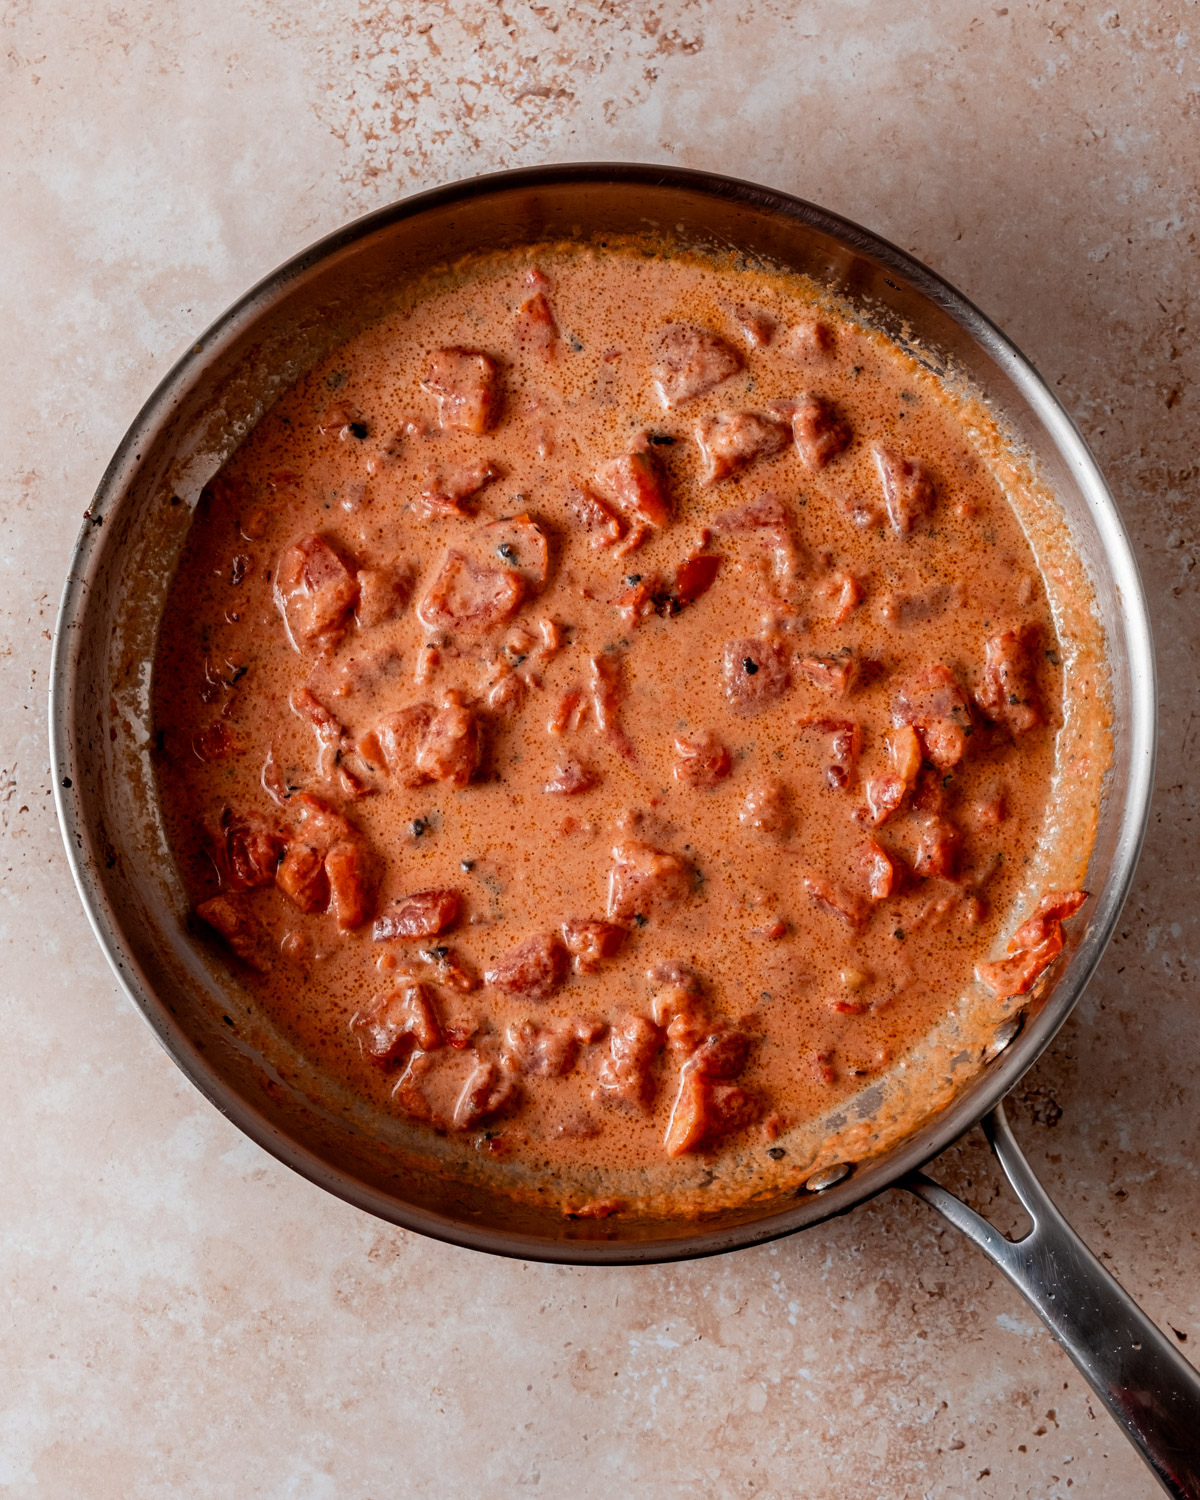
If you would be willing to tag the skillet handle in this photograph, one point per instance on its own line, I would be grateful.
(1151, 1390)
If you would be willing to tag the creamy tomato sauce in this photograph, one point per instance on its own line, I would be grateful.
(606, 712)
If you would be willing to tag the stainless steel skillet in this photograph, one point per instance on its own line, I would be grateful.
(100, 724)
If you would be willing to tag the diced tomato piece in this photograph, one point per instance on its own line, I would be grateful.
(705, 1112)
(317, 823)
(253, 849)
(765, 512)
(536, 327)
(625, 1077)
(422, 915)
(929, 793)
(606, 693)
(1033, 947)
(534, 969)
(689, 1115)
(315, 592)
(590, 943)
(678, 1006)
(517, 543)
(1017, 974)
(809, 341)
(908, 488)
(852, 908)
(988, 812)
(451, 747)
(489, 1091)
(933, 704)
(1051, 912)
(756, 673)
(595, 516)
(394, 743)
(466, 385)
(382, 594)
(303, 876)
(732, 440)
(540, 1051)
(302, 879)
(638, 601)
(468, 598)
(348, 869)
(723, 1053)
(756, 326)
(329, 730)
(885, 794)
(448, 494)
(696, 576)
(397, 1020)
(875, 870)
(905, 750)
(689, 362)
(1009, 695)
(845, 594)
(636, 484)
(702, 761)
(231, 917)
(939, 844)
(646, 882)
(835, 675)
(819, 432)
(569, 779)
(845, 749)
(767, 807)
(450, 968)
(790, 560)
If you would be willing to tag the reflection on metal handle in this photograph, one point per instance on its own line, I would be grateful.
(1146, 1383)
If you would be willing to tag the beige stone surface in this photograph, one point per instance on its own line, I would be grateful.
(181, 1315)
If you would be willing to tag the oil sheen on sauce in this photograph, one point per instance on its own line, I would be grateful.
(606, 712)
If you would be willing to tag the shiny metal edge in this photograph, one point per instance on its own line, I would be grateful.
(870, 1177)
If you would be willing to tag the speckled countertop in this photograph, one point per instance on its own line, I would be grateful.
(181, 1315)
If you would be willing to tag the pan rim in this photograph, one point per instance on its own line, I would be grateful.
(873, 1176)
